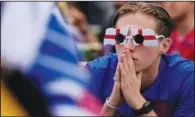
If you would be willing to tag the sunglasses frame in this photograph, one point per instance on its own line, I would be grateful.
(127, 38)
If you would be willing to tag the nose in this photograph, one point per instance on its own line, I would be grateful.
(130, 45)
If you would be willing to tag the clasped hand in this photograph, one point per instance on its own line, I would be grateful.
(127, 82)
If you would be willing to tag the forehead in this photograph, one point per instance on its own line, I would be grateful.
(138, 20)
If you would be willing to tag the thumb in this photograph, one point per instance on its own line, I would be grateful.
(117, 74)
(116, 87)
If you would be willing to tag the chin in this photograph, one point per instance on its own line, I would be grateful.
(138, 69)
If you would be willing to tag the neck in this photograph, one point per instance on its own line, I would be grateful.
(184, 25)
(150, 75)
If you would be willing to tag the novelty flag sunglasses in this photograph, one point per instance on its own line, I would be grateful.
(145, 37)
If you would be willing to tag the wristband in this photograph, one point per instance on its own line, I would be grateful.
(110, 105)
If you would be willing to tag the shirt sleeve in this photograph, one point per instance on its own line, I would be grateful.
(95, 82)
(185, 106)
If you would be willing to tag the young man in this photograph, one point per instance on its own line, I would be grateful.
(143, 80)
(183, 33)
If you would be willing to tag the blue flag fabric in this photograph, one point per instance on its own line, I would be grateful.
(53, 66)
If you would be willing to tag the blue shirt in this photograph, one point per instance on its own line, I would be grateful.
(172, 92)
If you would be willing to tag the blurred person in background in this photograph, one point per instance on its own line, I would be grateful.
(40, 63)
(118, 4)
(143, 80)
(85, 38)
(100, 14)
(97, 12)
(99, 17)
(182, 35)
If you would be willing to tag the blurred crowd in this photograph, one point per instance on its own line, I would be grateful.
(89, 20)
(92, 18)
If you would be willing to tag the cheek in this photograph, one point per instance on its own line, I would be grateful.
(147, 52)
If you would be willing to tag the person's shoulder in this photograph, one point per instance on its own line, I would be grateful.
(177, 70)
(102, 62)
(179, 83)
(101, 75)
(178, 64)
(177, 74)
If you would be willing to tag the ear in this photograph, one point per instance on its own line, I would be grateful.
(165, 45)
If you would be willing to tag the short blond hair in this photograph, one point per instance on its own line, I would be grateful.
(164, 21)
